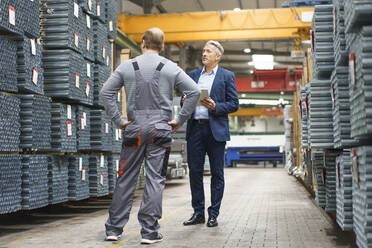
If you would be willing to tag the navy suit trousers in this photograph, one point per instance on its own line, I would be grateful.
(199, 143)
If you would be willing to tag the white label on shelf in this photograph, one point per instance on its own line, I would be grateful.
(77, 80)
(87, 89)
(76, 10)
(107, 126)
(83, 174)
(352, 69)
(120, 134)
(76, 35)
(85, 119)
(111, 27)
(116, 134)
(35, 75)
(80, 164)
(98, 9)
(108, 60)
(88, 70)
(33, 46)
(117, 165)
(90, 4)
(69, 115)
(88, 43)
(102, 161)
(103, 51)
(101, 179)
(12, 19)
(119, 96)
(69, 128)
(82, 122)
(88, 21)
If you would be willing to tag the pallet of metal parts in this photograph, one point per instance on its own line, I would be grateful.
(88, 6)
(34, 181)
(78, 177)
(8, 65)
(88, 37)
(357, 14)
(101, 74)
(10, 123)
(113, 169)
(141, 177)
(117, 139)
(344, 191)
(98, 175)
(57, 179)
(10, 183)
(111, 17)
(35, 120)
(330, 166)
(11, 17)
(100, 131)
(361, 158)
(61, 25)
(88, 85)
(82, 128)
(304, 116)
(339, 40)
(29, 67)
(64, 75)
(100, 11)
(308, 167)
(63, 128)
(108, 54)
(360, 78)
(320, 180)
(31, 19)
(100, 42)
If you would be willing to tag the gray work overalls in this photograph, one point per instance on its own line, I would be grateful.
(145, 138)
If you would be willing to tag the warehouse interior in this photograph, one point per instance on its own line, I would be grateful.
(296, 166)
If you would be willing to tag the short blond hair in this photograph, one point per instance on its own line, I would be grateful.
(216, 44)
(154, 39)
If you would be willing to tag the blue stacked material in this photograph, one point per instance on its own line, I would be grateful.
(57, 179)
(63, 128)
(98, 176)
(11, 17)
(29, 67)
(101, 74)
(10, 183)
(88, 84)
(34, 181)
(88, 42)
(357, 14)
(35, 122)
(330, 166)
(100, 11)
(31, 18)
(61, 25)
(8, 65)
(113, 168)
(78, 177)
(339, 40)
(117, 139)
(10, 124)
(82, 128)
(303, 3)
(100, 131)
(344, 191)
(317, 156)
(111, 17)
(89, 6)
(100, 42)
(64, 75)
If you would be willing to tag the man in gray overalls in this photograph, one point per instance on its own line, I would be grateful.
(149, 81)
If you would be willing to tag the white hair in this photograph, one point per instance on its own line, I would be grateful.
(216, 44)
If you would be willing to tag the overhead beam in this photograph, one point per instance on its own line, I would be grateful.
(277, 23)
(253, 51)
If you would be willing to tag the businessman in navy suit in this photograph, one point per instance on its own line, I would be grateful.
(208, 130)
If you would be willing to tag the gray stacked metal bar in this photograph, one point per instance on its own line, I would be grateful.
(317, 156)
(362, 161)
(63, 128)
(111, 17)
(35, 119)
(117, 139)
(101, 131)
(304, 117)
(100, 42)
(98, 175)
(29, 67)
(88, 36)
(100, 11)
(339, 41)
(78, 177)
(89, 6)
(101, 74)
(10, 183)
(344, 191)
(113, 169)
(10, 124)
(11, 17)
(8, 65)
(57, 179)
(34, 181)
(330, 166)
(357, 13)
(82, 128)
(88, 84)
(32, 18)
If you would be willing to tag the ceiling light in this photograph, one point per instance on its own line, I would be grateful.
(247, 50)
(236, 9)
(263, 61)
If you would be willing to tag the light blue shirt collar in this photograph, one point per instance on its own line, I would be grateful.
(213, 72)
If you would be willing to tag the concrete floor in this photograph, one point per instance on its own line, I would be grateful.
(262, 207)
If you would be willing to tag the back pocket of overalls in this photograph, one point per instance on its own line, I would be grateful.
(162, 134)
(132, 136)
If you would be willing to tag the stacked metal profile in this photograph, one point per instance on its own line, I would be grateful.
(100, 131)
(322, 32)
(78, 177)
(344, 191)
(330, 166)
(10, 124)
(304, 117)
(101, 74)
(117, 139)
(321, 118)
(361, 85)
(287, 133)
(12, 17)
(309, 166)
(34, 181)
(362, 161)
(57, 179)
(88, 6)
(98, 175)
(88, 48)
(35, 119)
(339, 41)
(63, 128)
(357, 13)
(317, 156)
(111, 17)
(100, 42)
(100, 10)
(113, 169)
(32, 18)
(82, 128)
(8, 65)
(87, 85)
(29, 66)
(10, 183)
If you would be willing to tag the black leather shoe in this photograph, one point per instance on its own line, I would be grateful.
(194, 220)
(212, 221)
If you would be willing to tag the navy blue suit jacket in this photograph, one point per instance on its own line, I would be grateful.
(224, 94)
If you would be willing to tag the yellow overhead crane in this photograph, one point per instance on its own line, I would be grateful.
(279, 23)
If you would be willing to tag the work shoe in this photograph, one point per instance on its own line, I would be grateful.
(113, 237)
(212, 221)
(195, 219)
(157, 239)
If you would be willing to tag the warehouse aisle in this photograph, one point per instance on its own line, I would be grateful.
(262, 207)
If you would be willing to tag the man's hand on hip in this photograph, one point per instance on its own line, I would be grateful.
(208, 103)
(174, 125)
(124, 125)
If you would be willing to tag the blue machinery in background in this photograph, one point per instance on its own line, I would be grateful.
(243, 154)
